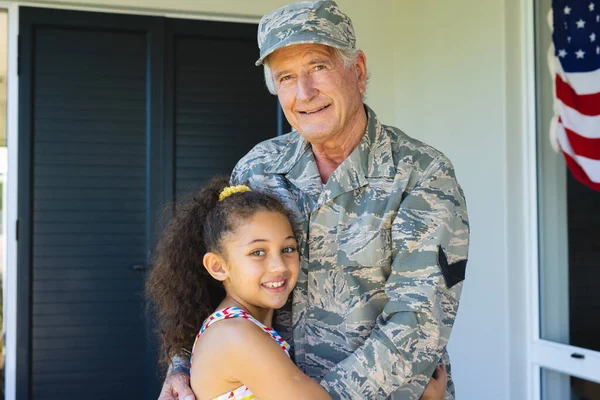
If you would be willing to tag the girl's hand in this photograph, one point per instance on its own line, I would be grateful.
(436, 388)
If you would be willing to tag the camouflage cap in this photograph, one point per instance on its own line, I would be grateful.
(305, 22)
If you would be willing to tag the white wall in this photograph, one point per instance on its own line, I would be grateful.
(450, 74)
(458, 86)
(450, 93)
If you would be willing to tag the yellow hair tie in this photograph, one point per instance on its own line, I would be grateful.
(229, 190)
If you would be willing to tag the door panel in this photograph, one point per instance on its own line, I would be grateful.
(85, 111)
(220, 105)
(89, 77)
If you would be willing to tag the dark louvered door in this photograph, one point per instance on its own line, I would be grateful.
(89, 211)
(86, 111)
(118, 115)
(218, 105)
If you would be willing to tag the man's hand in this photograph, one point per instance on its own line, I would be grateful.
(177, 387)
(436, 388)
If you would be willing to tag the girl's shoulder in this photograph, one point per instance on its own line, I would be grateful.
(223, 349)
(220, 353)
(228, 332)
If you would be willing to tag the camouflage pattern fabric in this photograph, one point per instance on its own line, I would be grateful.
(305, 22)
(371, 314)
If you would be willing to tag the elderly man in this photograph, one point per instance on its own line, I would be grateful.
(383, 230)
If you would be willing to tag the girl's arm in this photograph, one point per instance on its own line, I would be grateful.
(248, 355)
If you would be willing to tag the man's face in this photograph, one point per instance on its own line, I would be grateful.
(321, 98)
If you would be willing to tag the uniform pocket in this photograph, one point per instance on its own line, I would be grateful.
(363, 247)
(364, 258)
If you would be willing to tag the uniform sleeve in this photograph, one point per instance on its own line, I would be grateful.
(179, 364)
(430, 237)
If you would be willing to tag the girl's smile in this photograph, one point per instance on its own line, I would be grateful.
(259, 266)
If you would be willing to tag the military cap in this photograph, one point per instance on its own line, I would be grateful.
(319, 22)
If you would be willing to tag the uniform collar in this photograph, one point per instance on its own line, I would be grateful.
(372, 158)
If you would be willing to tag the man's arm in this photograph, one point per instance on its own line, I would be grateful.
(179, 364)
(430, 237)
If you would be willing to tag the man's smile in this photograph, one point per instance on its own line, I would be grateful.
(314, 111)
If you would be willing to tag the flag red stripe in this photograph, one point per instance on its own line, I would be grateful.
(579, 173)
(582, 146)
(587, 104)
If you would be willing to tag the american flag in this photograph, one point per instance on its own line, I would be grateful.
(575, 64)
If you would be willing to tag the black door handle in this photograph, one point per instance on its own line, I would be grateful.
(139, 267)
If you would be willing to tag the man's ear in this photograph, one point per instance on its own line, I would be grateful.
(215, 265)
(361, 71)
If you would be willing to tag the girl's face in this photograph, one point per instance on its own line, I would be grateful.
(261, 261)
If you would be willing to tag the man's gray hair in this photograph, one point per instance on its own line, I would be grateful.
(347, 57)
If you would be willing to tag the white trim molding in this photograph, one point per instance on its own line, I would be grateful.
(12, 101)
(167, 13)
(529, 194)
(521, 181)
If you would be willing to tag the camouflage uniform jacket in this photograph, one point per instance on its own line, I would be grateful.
(383, 247)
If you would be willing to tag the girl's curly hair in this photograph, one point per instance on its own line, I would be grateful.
(183, 293)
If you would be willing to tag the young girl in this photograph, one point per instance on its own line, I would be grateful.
(232, 250)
